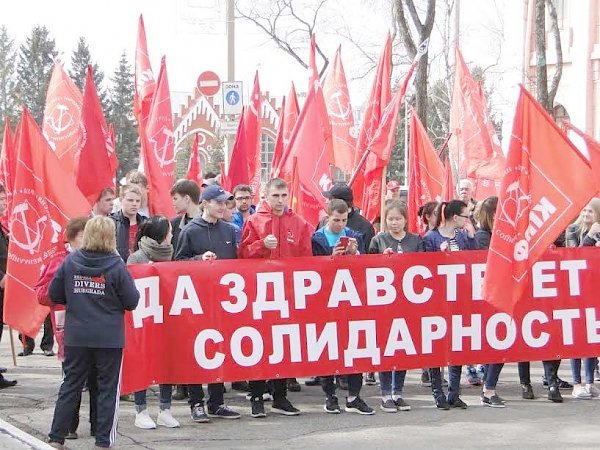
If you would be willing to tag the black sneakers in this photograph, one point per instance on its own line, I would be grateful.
(199, 413)
(370, 379)
(562, 384)
(293, 385)
(401, 404)
(258, 407)
(284, 406)
(442, 403)
(554, 395)
(223, 412)
(494, 401)
(359, 406)
(458, 403)
(388, 406)
(527, 392)
(332, 405)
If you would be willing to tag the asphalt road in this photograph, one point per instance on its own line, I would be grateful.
(522, 424)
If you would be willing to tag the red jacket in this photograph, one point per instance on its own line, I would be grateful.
(293, 234)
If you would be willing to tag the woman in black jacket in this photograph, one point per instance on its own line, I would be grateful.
(96, 288)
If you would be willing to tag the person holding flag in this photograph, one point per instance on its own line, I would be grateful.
(453, 232)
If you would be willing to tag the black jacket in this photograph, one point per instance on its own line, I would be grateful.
(320, 246)
(200, 236)
(122, 225)
(178, 224)
(97, 289)
(3, 251)
(483, 238)
(359, 224)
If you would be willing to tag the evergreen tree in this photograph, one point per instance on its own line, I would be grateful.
(79, 62)
(8, 57)
(34, 67)
(121, 116)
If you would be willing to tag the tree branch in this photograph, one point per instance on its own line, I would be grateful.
(405, 34)
(412, 10)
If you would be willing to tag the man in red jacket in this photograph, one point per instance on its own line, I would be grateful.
(274, 232)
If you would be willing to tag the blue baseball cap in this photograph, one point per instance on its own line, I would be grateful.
(216, 193)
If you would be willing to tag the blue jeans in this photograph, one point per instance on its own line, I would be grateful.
(492, 373)
(164, 398)
(589, 364)
(392, 382)
(454, 373)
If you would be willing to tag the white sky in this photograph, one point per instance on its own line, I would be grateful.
(110, 27)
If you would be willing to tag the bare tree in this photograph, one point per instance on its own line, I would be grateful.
(411, 40)
(544, 95)
(286, 25)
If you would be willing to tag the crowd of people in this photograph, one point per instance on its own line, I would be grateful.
(89, 288)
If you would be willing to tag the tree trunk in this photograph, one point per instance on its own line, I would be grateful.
(541, 69)
(421, 89)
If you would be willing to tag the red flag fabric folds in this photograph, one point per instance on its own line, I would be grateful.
(62, 116)
(95, 170)
(474, 146)
(381, 93)
(426, 174)
(339, 109)
(539, 197)
(45, 197)
(159, 157)
(289, 117)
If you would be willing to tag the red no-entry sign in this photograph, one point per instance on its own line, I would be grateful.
(209, 83)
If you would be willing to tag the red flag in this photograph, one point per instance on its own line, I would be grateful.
(95, 170)
(144, 77)
(194, 171)
(590, 149)
(224, 178)
(339, 109)
(62, 116)
(538, 199)
(7, 160)
(474, 146)
(278, 149)
(159, 157)
(426, 173)
(381, 93)
(380, 150)
(289, 116)
(313, 72)
(311, 144)
(252, 137)
(295, 188)
(448, 193)
(45, 197)
(238, 162)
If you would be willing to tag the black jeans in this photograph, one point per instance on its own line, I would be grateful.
(47, 339)
(259, 387)
(354, 384)
(550, 372)
(215, 395)
(107, 362)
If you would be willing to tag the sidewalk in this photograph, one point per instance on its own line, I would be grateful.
(535, 424)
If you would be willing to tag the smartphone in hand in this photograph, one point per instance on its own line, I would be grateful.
(344, 241)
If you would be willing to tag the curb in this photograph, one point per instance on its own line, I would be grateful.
(23, 437)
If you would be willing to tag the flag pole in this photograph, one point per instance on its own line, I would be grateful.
(382, 208)
(358, 167)
(444, 145)
(12, 346)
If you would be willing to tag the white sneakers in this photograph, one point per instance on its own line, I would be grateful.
(144, 421)
(580, 392)
(592, 390)
(164, 419)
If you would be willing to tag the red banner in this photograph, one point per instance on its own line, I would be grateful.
(215, 321)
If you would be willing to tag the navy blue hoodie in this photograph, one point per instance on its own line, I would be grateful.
(97, 289)
(200, 236)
